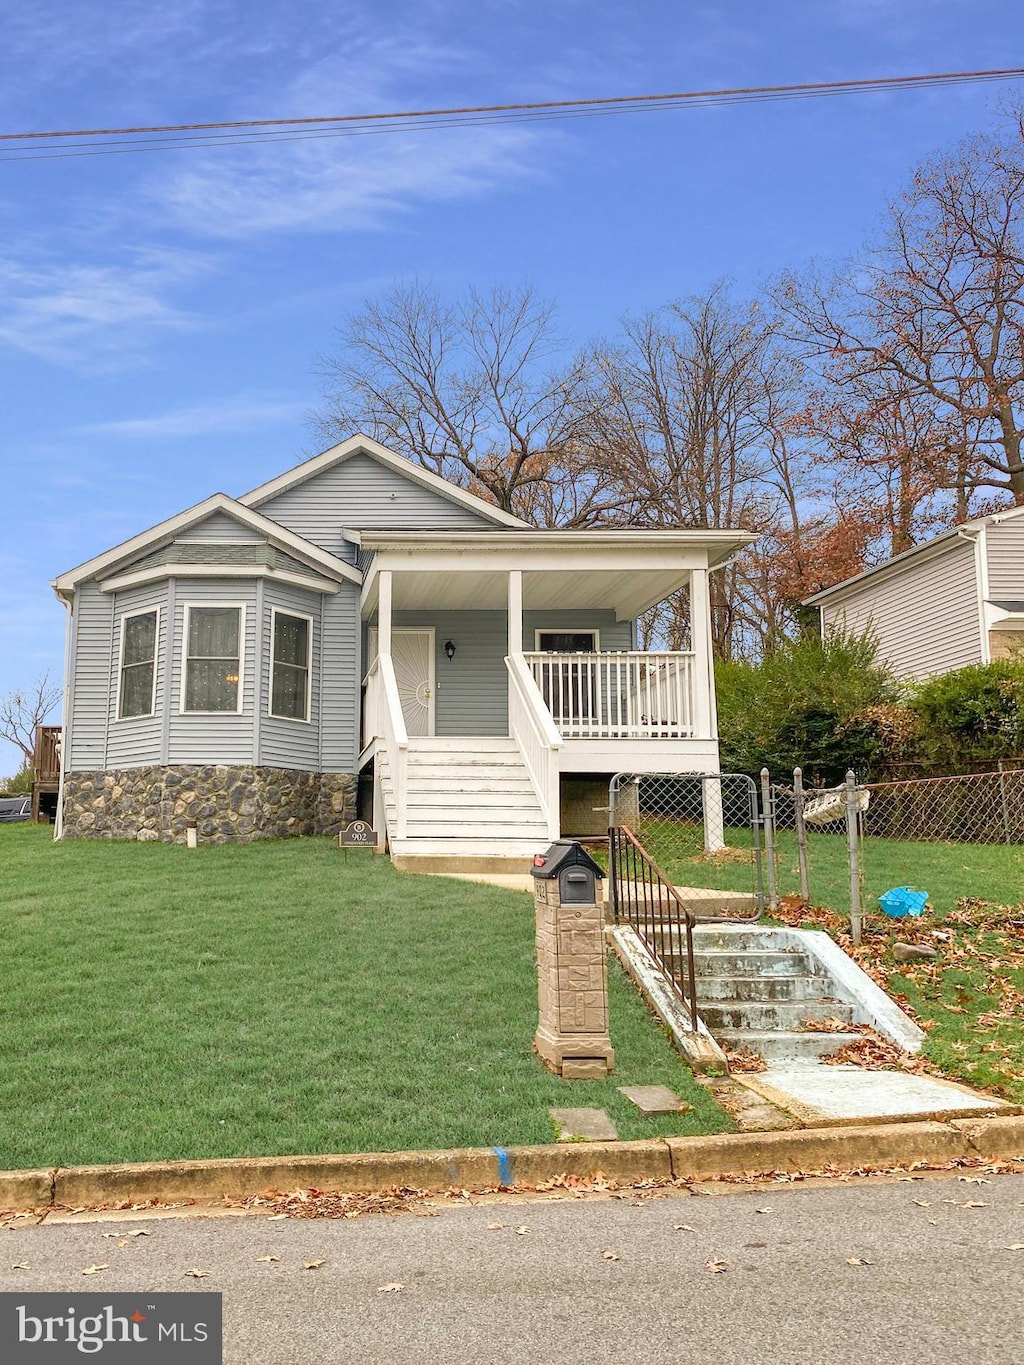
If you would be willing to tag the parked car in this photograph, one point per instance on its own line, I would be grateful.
(15, 808)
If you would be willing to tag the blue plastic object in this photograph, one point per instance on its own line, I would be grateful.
(902, 901)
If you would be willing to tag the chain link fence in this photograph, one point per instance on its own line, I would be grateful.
(844, 847)
(703, 830)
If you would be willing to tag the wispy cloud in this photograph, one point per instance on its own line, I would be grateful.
(346, 183)
(92, 314)
(241, 412)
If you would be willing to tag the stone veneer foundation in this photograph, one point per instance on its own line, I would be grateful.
(225, 804)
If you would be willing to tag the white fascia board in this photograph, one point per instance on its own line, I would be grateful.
(704, 549)
(359, 444)
(165, 531)
(155, 572)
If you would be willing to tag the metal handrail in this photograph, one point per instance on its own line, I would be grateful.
(653, 907)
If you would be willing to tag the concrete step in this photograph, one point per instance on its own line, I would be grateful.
(758, 1016)
(778, 1045)
(725, 939)
(763, 988)
(764, 962)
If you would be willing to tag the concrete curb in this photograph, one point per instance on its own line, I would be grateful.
(804, 1150)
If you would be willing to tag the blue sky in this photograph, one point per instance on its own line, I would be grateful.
(162, 317)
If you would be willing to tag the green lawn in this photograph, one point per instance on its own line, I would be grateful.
(948, 872)
(279, 998)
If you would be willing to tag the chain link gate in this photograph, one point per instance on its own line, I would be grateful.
(704, 831)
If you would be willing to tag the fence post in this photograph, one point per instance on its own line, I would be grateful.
(768, 819)
(852, 841)
(801, 833)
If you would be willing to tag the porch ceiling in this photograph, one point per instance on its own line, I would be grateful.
(626, 593)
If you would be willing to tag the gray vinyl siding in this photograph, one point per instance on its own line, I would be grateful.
(138, 741)
(223, 737)
(471, 693)
(925, 615)
(90, 686)
(359, 493)
(289, 743)
(220, 526)
(1005, 546)
(339, 683)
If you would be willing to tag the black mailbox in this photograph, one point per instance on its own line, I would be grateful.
(574, 868)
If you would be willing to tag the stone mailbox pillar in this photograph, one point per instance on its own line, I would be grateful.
(572, 1037)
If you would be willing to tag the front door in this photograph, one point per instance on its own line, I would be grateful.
(412, 652)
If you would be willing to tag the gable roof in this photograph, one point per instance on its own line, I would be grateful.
(965, 530)
(164, 531)
(365, 445)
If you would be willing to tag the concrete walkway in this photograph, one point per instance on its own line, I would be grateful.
(815, 1093)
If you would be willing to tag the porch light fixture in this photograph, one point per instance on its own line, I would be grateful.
(449, 649)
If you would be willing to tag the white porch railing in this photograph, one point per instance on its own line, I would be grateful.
(383, 719)
(531, 726)
(633, 695)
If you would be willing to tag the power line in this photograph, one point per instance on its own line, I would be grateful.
(65, 143)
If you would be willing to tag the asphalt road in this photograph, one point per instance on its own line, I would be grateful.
(941, 1284)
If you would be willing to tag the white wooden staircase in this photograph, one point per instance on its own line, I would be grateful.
(466, 798)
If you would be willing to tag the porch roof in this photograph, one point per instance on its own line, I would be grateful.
(625, 570)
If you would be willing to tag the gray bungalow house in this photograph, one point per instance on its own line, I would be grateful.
(954, 600)
(361, 633)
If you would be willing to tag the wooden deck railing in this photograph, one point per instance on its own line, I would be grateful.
(46, 759)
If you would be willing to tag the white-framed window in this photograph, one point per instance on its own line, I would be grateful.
(567, 641)
(212, 654)
(291, 649)
(136, 663)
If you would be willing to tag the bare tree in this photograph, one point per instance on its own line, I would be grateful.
(474, 391)
(932, 319)
(25, 708)
(688, 418)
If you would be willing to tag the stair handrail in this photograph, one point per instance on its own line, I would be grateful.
(394, 734)
(531, 725)
(644, 897)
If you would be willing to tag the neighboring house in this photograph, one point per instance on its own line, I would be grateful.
(955, 600)
(361, 634)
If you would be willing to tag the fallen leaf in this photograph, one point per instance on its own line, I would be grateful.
(716, 1267)
(394, 1287)
(764, 1210)
(1014, 1246)
(608, 1256)
(972, 1180)
(266, 1259)
(275, 1216)
(493, 1227)
(312, 1265)
(21, 1265)
(972, 1204)
(856, 1260)
(95, 1269)
(197, 1274)
(922, 1203)
(522, 1232)
(684, 1227)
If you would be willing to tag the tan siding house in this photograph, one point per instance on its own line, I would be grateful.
(953, 601)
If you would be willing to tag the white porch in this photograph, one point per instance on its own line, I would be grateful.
(550, 711)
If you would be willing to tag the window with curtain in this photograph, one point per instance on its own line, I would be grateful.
(138, 665)
(213, 659)
(289, 669)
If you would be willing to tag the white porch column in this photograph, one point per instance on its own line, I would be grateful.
(700, 636)
(704, 709)
(515, 611)
(384, 612)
